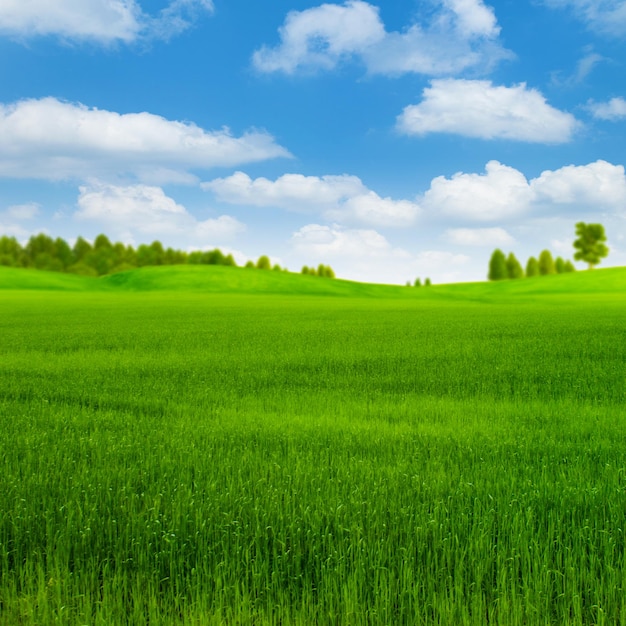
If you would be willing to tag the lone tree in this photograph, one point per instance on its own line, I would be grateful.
(590, 243)
(497, 266)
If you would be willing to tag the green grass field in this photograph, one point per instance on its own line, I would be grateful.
(207, 445)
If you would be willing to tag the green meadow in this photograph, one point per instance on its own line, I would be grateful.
(212, 445)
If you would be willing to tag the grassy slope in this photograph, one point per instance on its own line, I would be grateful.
(180, 458)
(13, 278)
(444, 455)
(212, 279)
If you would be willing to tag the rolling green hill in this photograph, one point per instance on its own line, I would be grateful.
(217, 279)
(31, 279)
(210, 445)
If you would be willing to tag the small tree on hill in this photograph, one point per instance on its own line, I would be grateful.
(325, 271)
(559, 265)
(590, 243)
(569, 267)
(532, 267)
(427, 283)
(264, 263)
(513, 267)
(81, 249)
(102, 241)
(417, 283)
(497, 266)
(10, 251)
(546, 263)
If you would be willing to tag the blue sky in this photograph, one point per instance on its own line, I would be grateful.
(390, 140)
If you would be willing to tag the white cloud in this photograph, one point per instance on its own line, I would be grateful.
(479, 237)
(334, 241)
(614, 109)
(356, 254)
(561, 246)
(476, 108)
(54, 140)
(598, 185)
(175, 18)
(462, 34)
(370, 208)
(501, 193)
(584, 67)
(104, 21)
(321, 36)
(473, 17)
(366, 255)
(430, 261)
(147, 210)
(340, 198)
(605, 16)
(15, 230)
(21, 212)
(293, 192)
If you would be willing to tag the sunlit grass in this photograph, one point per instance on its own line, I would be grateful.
(239, 459)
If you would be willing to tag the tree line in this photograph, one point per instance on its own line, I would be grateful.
(104, 257)
(503, 267)
(589, 246)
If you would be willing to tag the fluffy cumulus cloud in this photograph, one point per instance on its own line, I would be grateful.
(55, 140)
(479, 237)
(477, 108)
(335, 241)
(136, 210)
(293, 192)
(366, 255)
(338, 198)
(357, 254)
(613, 110)
(604, 16)
(462, 34)
(599, 186)
(503, 193)
(321, 36)
(104, 21)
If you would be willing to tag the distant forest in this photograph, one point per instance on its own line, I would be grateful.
(103, 257)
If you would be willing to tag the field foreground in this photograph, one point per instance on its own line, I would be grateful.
(442, 457)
